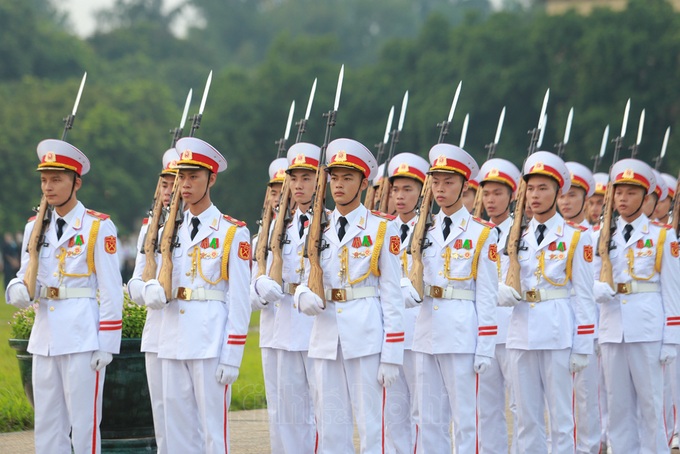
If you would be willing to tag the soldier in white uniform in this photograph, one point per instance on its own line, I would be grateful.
(470, 194)
(639, 325)
(407, 174)
(499, 180)
(152, 325)
(595, 203)
(287, 368)
(549, 337)
(572, 206)
(79, 304)
(205, 323)
(357, 341)
(456, 328)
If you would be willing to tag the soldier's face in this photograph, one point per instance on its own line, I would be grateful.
(662, 208)
(274, 195)
(167, 182)
(628, 199)
(346, 184)
(595, 206)
(447, 189)
(541, 193)
(405, 193)
(571, 203)
(496, 198)
(469, 199)
(302, 185)
(56, 185)
(194, 184)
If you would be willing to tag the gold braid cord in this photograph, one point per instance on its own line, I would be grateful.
(475, 258)
(344, 256)
(91, 240)
(570, 260)
(659, 250)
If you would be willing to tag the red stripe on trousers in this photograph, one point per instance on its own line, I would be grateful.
(95, 426)
(226, 419)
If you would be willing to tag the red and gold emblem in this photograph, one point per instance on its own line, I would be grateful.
(50, 157)
(493, 252)
(395, 244)
(300, 158)
(244, 250)
(441, 160)
(588, 253)
(675, 249)
(340, 157)
(186, 155)
(110, 244)
(403, 168)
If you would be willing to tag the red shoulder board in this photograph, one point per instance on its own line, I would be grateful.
(577, 226)
(382, 215)
(596, 228)
(662, 225)
(145, 221)
(488, 224)
(234, 221)
(32, 218)
(98, 215)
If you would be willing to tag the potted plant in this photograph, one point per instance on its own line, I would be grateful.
(127, 423)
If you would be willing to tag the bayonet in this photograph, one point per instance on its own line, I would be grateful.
(177, 132)
(567, 132)
(302, 124)
(537, 133)
(664, 145)
(281, 143)
(542, 131)
(463, 134)
(603, 149)
(196, 119)
(68, 120)
(444, 125)
(492, 146)
(641, 126)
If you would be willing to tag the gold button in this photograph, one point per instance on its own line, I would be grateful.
(339, 311)
(277, 304)
(294, 306)
(52, 308)
(624, 301)
(532, 305)
(181, 311)
(436, 308)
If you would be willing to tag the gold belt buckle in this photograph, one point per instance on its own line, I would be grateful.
(183, 293)
(436, 292)
(52, 292)
(624, 288)
(533, 296)
(292, 288)
(338, 295)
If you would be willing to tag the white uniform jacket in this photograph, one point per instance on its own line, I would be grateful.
(555, 324)
(459, 325)
(217, 259)
(648, 316)
(364, 326)
(410, 314)
(503, 314)
(85, 257)
(268, 313)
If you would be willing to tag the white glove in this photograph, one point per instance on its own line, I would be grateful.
(154, 295)
(577, 362)
(387, 374)
(482, 363)
(100, 360)
(409, 293)
(226, 375)
(18, 295)
(268, 289)
(668, 353)
(136, 290)
(308, 302)
(507, 296)
(603, 292)
(256, 303)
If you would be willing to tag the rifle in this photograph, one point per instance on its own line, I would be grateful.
(478, 207)
(603, 149)
(170, 237)
(608, 221)
(384, 189)
(314, 243)
(513, 278)
(676, 208)
(419, 241)
(370, 192)
(156, 212)
(641, 125)
(267, 212)
(278, 236)
(44, 213)
(567, 132)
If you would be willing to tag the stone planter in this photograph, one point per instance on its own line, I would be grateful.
(127, 423)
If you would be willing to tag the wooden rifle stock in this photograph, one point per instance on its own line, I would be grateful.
(676, 208)
(606, 271)
(278, 236)
(512, 245)
(419, 236)
(263, 235)
(384, 194)
(35, 243)
(315, 235)
(151, 238)
(169, 239)
(478, 207)
(370, 196)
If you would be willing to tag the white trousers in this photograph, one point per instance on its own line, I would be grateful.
(292, 429)
(401, 410)
(154, 377)
(668, 405)
(196, 407)
(587, 398)
(347, 389)
(446, 389)
(634, 380)
(68, 398)
(540, 378)
(494, 385)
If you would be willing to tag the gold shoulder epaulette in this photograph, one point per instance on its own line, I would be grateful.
(661, 224)
(234, 220)
(98, 215)
(382, 215)
(488, 224)
(577, 226)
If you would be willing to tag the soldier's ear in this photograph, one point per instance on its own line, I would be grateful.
(212, 177)
(77, 182)
(364, 183)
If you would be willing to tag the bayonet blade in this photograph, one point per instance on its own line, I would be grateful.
(402, 114)
(338, 90)
(80, 92)
(641, 126)
(455, 102)
(311, 100)
(567, 130)
(541, 126)
(185, 112)
(605, 140)
(463, 134)
(544, 107)
(290, 120)
(388, 128)
(499, 128)
(625, 119)
(665, 142)
(205, 93)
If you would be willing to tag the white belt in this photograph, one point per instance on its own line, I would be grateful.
(340, 295)
(536, 296)
(62, 293)
(449, 293)
(626, 288)
(197, 294)
(289, 288)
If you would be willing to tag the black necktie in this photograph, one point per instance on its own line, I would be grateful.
(627, 230)
(541, 230)
(60, 227)
(341, 231)
(447, 227)
(302, 221)
(404, 232)
(194, 223)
